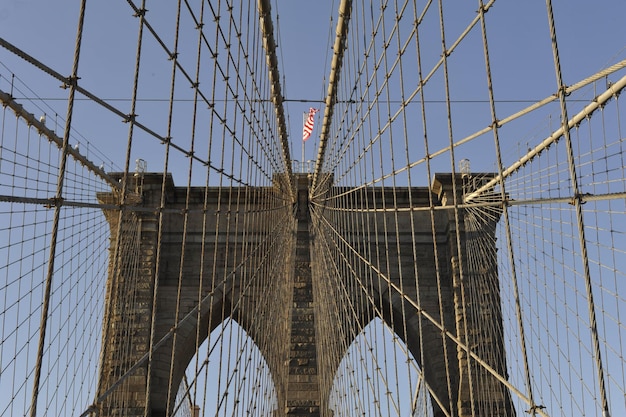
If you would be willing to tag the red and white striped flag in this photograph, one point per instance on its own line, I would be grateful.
(308, 124)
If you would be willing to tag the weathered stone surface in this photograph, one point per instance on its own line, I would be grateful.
(294, 365)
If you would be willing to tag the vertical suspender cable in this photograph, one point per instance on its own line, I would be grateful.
(505, 211)
(267, 28)
(117, 256)
(345, 10)
(71, 82)
(460, 261)
(579, 215)
(159, 246)
(173, 358)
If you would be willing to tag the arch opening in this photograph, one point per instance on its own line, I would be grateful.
(378, 375)
(227, 376)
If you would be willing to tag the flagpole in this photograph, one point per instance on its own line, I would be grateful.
(304, 116)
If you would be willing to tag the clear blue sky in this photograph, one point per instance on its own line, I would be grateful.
(591, 35)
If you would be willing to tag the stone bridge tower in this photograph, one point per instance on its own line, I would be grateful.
(141, 251)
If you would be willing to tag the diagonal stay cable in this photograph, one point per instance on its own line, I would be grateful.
(574, 87)
(125, 117)
(19, 110)
(611, 92)
(191, 315)
(372, 302)
(432, 319)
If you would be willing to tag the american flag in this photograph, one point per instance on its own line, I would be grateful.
(308, 124)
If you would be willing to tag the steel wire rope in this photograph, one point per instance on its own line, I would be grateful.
(370, 307)
(125, 117)
(613, 245)
(326, 312)
(579, 216)
(160, 222)
(432, 320)
(601, 178)
(554, 257)
(503, 193)
(279, 386)
(197, 341)
(183, 245)
(343, 222)
(8, 307)
(504, 121)
(218, 212)
(245, 91)
(390, 154)
(117, 257)
(373, 23)
(20, 112)
(331, 353)
(410, 202)
(438, 274)
(353, 315)
(33, 97)
(57, 214)
(214, 263)
(160, 342)
(574, 324)
(479, 255)
(96, 99)
(236, 226)
(382, 257)
(376, 137)
(363, 290)
(389, 69)
(123, 289)
(595, 232)
(362, 286)
(207, 298)
(228, 319)
(261, 301)
(227, 249)
(458, 267)
(214, 54)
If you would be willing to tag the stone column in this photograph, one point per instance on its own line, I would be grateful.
(303, 389)
(478, 313)
(128, 307)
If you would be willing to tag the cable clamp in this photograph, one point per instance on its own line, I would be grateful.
(140, 13)
(580, 198)
(130, 117)
(54, 202)
(534, 409)
(70, 81)
(563, 90)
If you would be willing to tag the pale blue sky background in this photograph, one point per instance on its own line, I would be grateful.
(591, 36)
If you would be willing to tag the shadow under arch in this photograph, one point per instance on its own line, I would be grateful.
(221, 309)
(203, 280)
(433, 280)
(228, 303)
